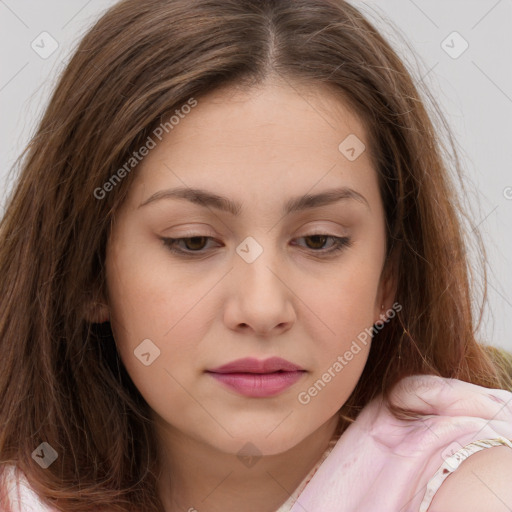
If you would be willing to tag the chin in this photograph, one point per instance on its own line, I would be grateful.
(261, 441)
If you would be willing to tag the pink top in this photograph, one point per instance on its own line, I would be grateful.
(381, 463)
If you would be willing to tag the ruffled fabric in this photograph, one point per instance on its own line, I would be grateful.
(385, 464)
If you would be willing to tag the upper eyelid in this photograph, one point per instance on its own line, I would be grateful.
(192, 234)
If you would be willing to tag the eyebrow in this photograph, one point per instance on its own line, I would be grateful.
(295, 204)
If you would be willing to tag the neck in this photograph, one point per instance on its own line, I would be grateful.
(195, 476)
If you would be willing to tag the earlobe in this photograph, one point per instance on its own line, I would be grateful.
(97, 313)
(387, 287)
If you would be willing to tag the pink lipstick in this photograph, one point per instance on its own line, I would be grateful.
(258, 379)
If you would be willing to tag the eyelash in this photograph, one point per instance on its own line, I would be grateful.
(340, 243)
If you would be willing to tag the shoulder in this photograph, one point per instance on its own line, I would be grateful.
(480, 484)
(454, 414)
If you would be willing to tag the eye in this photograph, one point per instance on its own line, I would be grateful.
(195, 245)
(318, 240)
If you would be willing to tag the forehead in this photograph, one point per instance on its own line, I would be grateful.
(275, 114)
(275, 137)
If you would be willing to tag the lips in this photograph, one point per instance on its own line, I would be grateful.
(251, 365)
(258, 379)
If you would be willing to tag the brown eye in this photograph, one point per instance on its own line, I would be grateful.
(318, 241)
(196, 243)
(190, 245)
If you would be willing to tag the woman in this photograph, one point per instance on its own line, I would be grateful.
(254, 372)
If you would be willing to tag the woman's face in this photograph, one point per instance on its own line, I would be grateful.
(259, 276)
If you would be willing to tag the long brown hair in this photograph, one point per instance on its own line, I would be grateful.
(61, 380)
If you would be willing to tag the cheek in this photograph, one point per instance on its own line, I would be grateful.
(139, 288)
(161, 305)
(345, 302)
(151, 300)
(341, 324)
(342, 340)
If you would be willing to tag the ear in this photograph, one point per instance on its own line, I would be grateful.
(97, 312)
(387, 286)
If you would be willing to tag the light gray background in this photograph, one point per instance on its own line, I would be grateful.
(474, 91)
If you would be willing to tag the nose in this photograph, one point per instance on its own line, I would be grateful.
(261, 298)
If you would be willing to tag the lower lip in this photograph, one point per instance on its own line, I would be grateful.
(258, 385)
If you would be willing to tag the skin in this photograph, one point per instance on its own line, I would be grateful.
(480, 484)
(259, 147)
